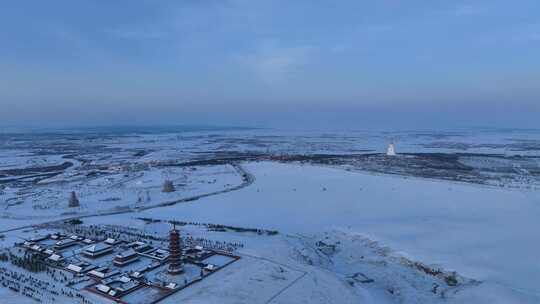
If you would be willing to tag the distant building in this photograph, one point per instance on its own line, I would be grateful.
(65, 243)
(57, 236)
(103, 272)
(39, 238)
(37, 248)
(97, 250)
(111, 241)
(140, 247)
(55, 257)
(74, 268)
(73, 200)
(210, 267)
(171, 285)
(76, 237)
(391, 151)
(125, 258)
(159, 255)
(80, 267)
(168, 186)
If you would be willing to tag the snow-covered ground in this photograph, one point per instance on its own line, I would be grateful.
(381, 225)
(116, 191)
(483, 233)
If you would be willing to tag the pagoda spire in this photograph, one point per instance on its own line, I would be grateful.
(176, 265)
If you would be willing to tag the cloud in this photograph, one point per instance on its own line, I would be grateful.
(273, 63)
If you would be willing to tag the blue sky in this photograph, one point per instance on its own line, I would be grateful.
(271, 63)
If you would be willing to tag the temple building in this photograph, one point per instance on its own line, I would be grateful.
(175, 257)
(97, 250)
(124, 258)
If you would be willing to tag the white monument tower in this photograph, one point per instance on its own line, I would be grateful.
(391, 151)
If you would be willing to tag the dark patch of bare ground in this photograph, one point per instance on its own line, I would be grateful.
(36, 170)
(462, 167)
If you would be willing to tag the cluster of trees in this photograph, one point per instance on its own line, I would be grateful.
(36, 289)
(58, 276)
(451, 278)
(112, 231)
(190, 241)
(24, 284)
(224, 228)
(210, 244)
(74, 222)
(30, 261)
(149, 220)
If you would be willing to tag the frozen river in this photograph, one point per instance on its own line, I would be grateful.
(488, 234)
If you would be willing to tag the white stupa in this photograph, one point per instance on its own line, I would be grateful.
(391, 151)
